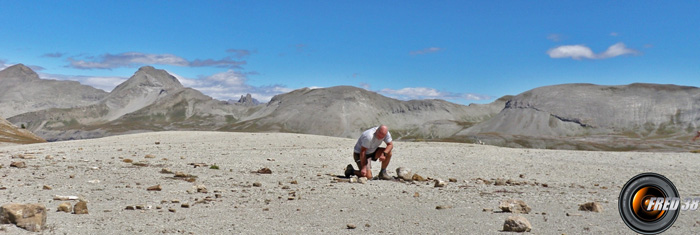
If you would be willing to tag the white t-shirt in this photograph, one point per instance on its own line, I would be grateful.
(368, 141)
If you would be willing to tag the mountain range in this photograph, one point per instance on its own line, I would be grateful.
(649, 117)
(154, 100)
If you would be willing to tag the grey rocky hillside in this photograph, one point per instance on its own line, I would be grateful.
(22, 91)
(613, 117)
(151, 100)
(345, 111)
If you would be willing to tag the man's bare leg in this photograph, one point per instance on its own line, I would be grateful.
(385, 159)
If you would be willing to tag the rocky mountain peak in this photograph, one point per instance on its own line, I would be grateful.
(248, 100)
(19, 72)
(149, 76)
(144, 88)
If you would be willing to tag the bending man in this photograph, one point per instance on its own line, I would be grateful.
(366, 148)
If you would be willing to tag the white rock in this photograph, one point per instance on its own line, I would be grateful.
(362, 180)
(440, 183)
(404, 173)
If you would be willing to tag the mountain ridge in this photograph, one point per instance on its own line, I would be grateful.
(22, 91)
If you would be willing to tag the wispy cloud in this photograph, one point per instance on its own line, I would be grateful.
(240, 53)
(578, 52)
(54, 55)
(614, 34)
(230, 85)
(426, 51)
(555, 37)
(134, 59)
(411, 93)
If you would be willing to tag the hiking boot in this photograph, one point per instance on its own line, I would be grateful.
(384, 176)
(349, 171)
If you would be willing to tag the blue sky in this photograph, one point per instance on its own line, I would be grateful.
(461, 51)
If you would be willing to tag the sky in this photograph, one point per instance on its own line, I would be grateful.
(461, 51)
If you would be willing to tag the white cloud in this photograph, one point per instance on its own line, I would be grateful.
(412, 93)
(230, 85)
(574, 51)
(578, 52)
(426, 51)
(617, 50)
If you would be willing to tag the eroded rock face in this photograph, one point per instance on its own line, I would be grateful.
(31, 217)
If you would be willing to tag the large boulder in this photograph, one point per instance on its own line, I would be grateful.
(404, 173)
(31, 217)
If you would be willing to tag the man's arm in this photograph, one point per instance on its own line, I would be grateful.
(389, 147)
(363, 161)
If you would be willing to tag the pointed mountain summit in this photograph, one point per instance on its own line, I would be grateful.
(148, 76)
(144, 88)
(19, 72)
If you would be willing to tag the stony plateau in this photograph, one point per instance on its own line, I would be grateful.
(301, 190)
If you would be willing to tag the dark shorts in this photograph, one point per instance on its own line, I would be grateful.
(370, 156)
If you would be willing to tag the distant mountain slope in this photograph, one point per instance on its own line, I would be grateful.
(144, 88)
(22, 91)
(150, 100)
(635, 111)
(345, 111)
(12, 134)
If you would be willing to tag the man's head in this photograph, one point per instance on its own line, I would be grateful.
(381, 132)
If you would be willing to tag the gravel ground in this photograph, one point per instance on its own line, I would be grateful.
(303, 194)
